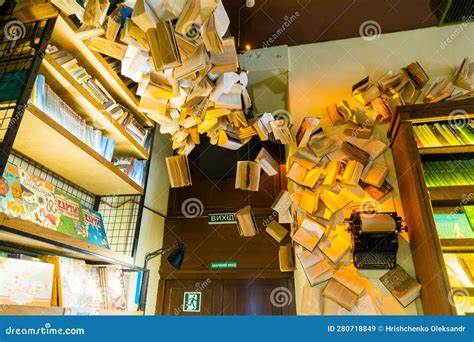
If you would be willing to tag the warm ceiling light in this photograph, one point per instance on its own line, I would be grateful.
(250, 3)
(247, 47)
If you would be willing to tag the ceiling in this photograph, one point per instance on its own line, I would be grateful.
(295, 22)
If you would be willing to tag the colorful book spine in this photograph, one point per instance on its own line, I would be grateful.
(444, 134)
(449, 173)
(47, 101)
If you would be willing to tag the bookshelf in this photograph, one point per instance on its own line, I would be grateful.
(64, 85)
(35, 237)
(451, 195)
(65, 154)
(36, 142)
(64, 35)
(457, 245)
(418, 199)
(446, 149)
(24, 310)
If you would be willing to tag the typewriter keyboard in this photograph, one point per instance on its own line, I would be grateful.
(375, 260)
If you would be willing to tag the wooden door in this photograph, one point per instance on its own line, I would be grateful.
(250, 297)
(231, 296)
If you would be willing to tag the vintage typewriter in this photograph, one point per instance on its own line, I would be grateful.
(374, 238)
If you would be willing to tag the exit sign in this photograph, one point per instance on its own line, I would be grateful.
(223, 265)
(226, 218)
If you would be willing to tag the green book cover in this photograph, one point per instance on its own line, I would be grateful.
(71, 221)
(469, 212)
(441, 174)
(453, 226)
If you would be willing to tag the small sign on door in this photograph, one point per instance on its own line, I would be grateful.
(192, 302)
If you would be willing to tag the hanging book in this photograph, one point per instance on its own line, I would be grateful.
(276, 231)
(163, 47)
(178, 171)
(309, 126)
(365, 91)
(285, 257)
(246, 222)
(247, 176)
(403, 287)
(268, 164)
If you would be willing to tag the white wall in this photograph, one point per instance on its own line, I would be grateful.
(323, 73)
(152, 227)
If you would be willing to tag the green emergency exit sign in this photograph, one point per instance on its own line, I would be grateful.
(225, 218)
(223, 265)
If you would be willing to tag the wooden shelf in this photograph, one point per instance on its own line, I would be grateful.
(452, 195)
(45, 141)
(457, 245)
(462, 290)
(440, 111)
(447, 149)
(84, 104)
(25, 310)
(64, 36)
(31, 236)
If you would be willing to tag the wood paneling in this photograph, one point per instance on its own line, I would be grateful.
(247, 288)
(276, 22)
(254, 297)
(211, 298)
(257, 255)
(229, 297)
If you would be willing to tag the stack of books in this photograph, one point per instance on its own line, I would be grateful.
(102, 96)
(133, 168)
(449, 173)
(43, 97)
(444, 134)
(80, 74)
